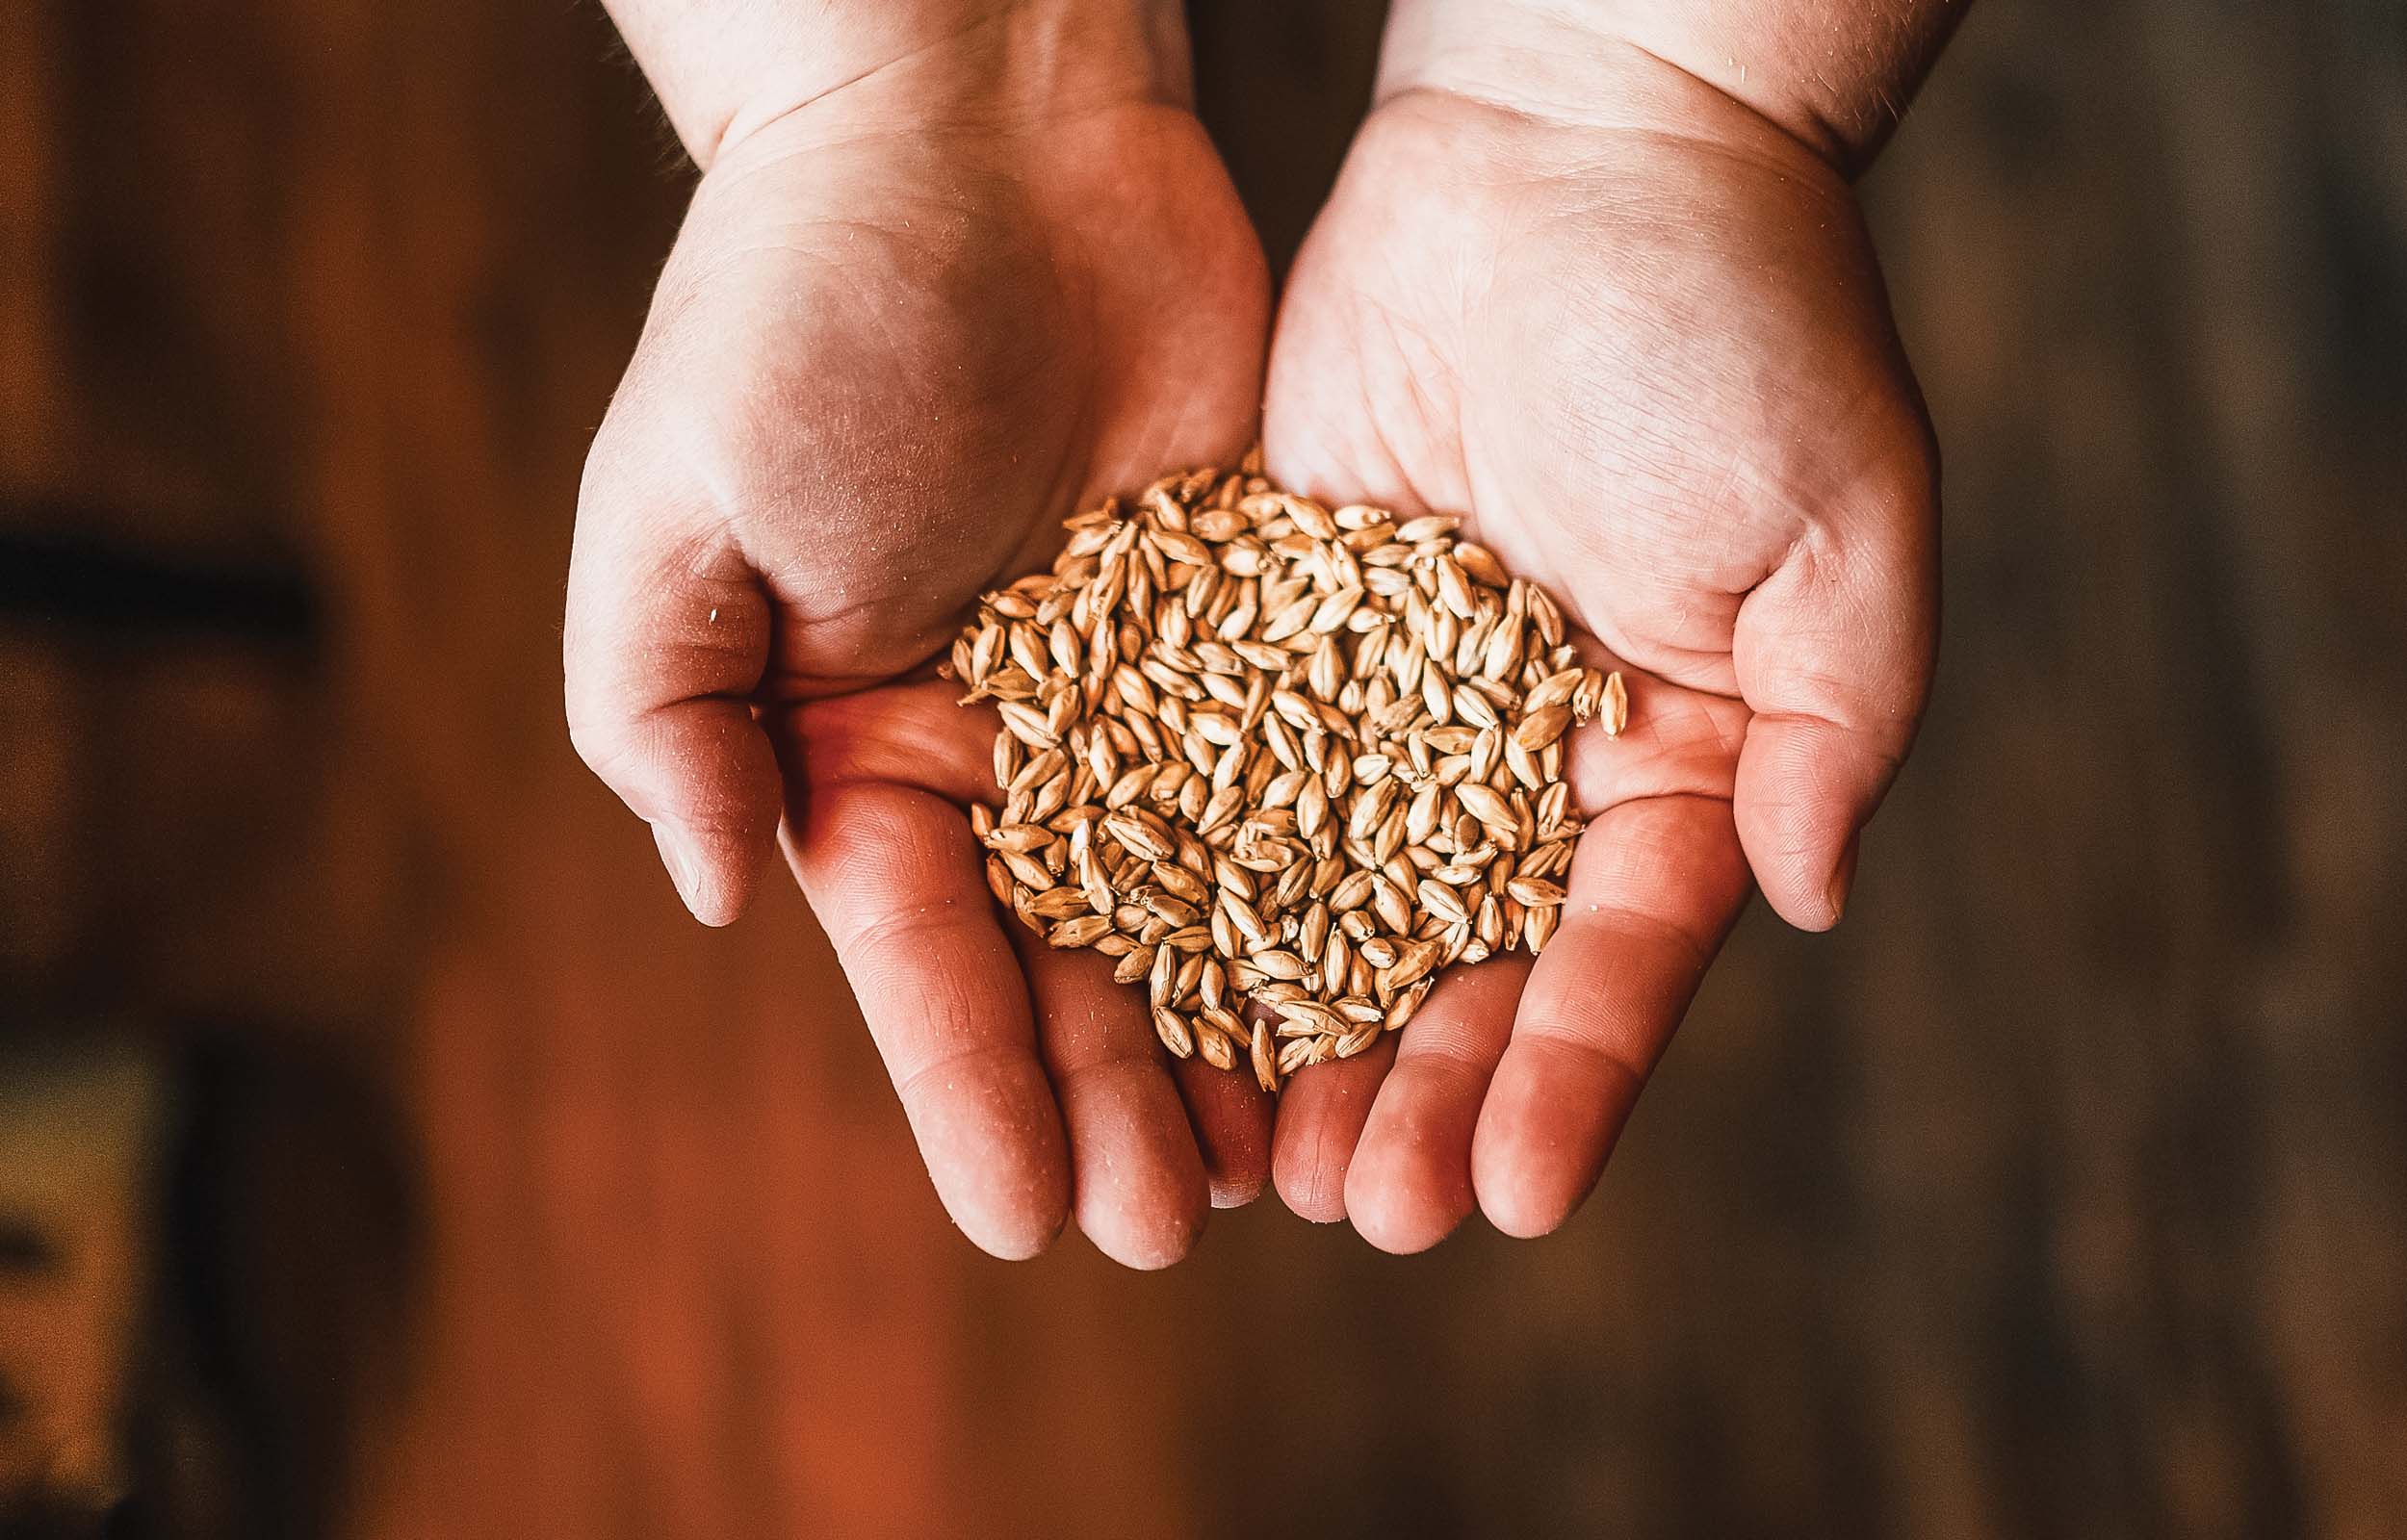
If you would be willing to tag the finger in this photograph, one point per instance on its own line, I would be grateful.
(902, 735)
(1653, 890)
(1137, 1187)
(1834, 654)
(1409, 1184)
(1231, 1115)
(1321, 1113)
(893, 874)
(916, 735)
(663, 645)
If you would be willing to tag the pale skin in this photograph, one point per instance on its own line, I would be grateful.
(958, 270)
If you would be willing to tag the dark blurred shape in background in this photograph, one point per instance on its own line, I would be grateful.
(381, 1154)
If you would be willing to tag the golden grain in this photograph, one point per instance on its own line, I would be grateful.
(1263, 752)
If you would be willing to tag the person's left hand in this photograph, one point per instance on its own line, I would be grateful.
(1648, 354)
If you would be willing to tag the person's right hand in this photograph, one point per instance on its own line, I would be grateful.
(909, 326)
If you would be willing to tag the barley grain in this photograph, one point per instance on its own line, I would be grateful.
(1254, 749)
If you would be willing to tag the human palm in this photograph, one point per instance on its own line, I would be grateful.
(1654, 367)
(887, 353)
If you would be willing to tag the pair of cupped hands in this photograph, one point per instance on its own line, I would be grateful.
(1633, 331)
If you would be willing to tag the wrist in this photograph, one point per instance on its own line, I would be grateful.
(725, 69)
(1826, 74)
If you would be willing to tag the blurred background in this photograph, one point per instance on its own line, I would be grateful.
(382, 1154)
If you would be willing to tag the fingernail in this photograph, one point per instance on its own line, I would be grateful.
(1843, 879)
(684, 863)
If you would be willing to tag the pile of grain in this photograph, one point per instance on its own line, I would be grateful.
(1260, 750)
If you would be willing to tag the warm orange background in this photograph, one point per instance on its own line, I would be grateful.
(2063, 1192)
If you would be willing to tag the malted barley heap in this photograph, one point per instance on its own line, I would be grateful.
(1257, 749)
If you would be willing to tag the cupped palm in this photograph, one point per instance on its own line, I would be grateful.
(886, 357)
(1654, 367)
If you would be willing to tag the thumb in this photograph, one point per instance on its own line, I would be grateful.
(1834, 654)
(664, 643)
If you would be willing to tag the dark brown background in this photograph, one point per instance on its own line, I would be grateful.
(2062, 1191)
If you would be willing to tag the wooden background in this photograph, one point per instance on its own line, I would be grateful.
(2063, 1192)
